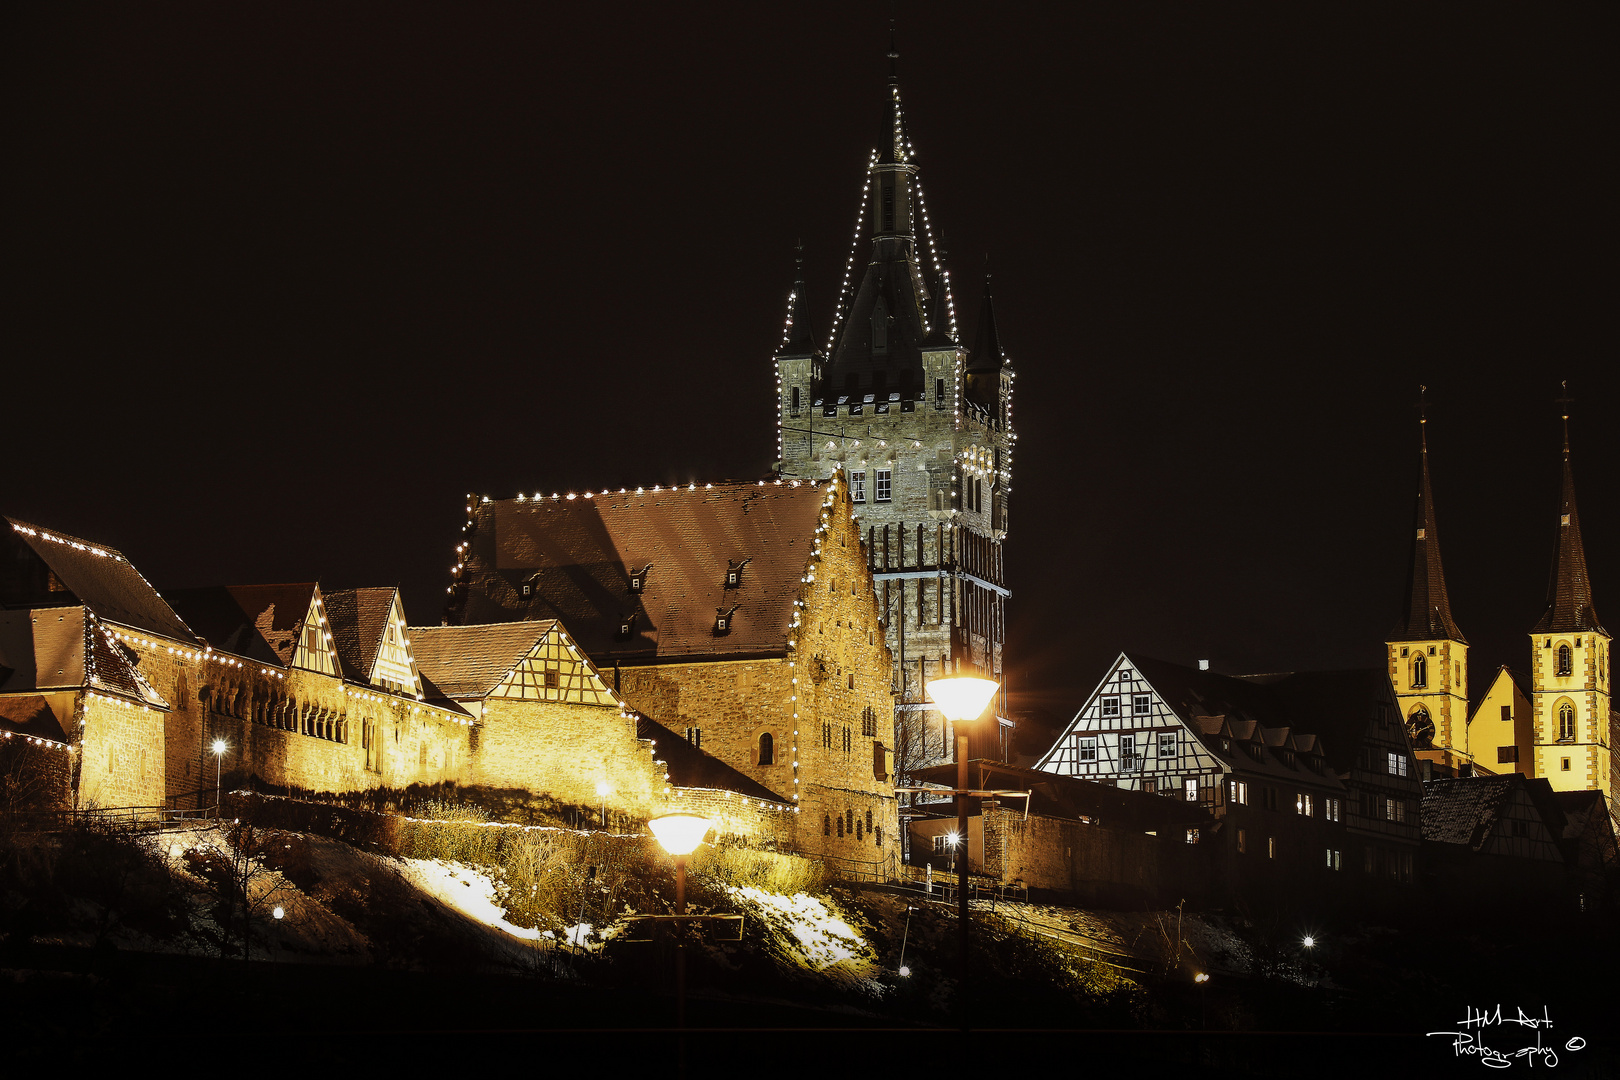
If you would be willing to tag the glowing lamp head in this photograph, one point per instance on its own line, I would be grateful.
(280, 912)
(952, 839)
(1310, 942)
(905, 972)
(680, 834)
(219, 746)
(602, 789)
(1201, 977)
(963, 697)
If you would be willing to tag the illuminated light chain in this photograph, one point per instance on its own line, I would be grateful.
(76, 545)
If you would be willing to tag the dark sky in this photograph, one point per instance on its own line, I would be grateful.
(287, 284)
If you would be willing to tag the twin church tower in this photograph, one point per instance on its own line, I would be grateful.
(1555, 722)
(921, 424)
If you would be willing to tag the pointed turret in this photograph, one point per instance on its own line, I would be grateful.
(1427, 615)
(986, 355)
(1569, 592)
(797, 341)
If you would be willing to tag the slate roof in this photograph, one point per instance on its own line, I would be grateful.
(578, 555)
(259, 622)
(1465, 810)
(1310, 713)
(1569, 592)
(66, 648)
(358, 619)
(93, 574)
(690, 767)
(1427, 613)
(467, 662)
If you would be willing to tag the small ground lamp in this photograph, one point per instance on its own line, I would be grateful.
(680, 835)
(961, 700)
(602, 792)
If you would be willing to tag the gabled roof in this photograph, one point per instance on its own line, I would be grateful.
(67, 648)
(1427, 613)
(467, 662)
(31, 714)
(1569, 591)
(260, 622)
(1484, 689)
(359, 618)
(689, 767)
(1466, 810)
(45, 568)
(577, 556)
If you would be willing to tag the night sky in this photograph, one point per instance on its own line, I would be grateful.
(287, 284)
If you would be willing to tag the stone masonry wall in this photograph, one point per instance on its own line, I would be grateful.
(121, 750)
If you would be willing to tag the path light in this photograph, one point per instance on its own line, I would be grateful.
(219, 748)
(680, 835)
(1309, 942)
(602, 792)
(962, 699)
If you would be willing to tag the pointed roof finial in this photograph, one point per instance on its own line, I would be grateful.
(894, 55)
(1566, 401)
(1423, 417)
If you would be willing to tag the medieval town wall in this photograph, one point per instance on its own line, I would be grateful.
(121, 752)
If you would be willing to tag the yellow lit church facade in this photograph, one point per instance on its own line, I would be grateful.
(1556, 720)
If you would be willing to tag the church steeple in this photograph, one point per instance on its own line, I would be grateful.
(1569, 591)
(1427, 613)
(1428, 656)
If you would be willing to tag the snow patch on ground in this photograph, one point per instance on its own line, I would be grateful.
(824, 941)
(465, 890)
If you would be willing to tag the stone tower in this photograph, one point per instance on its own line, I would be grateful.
(922, 425)
(1569, 665)
(1428, 655)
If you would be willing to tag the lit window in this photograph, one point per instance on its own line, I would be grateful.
(1192, 836)
(1190, 788)
(1394, 810)
(1088, 748)
(881, 485)
(1332, 808)
(1303, 804)
(1240, 792)
(1271, 847)
(1333, 860)
(1397, 764)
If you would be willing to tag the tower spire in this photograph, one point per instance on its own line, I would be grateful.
(1427, 614)
(1569, 592)
(796, 337)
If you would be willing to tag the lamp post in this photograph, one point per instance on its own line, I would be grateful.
(680, 835)
(220, 746)
(961, 700)
(602, 792)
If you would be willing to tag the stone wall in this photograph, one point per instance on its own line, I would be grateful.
(1093, 863)
(121, 753)
(564, 751)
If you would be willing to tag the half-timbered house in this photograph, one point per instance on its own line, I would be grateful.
(1309, 775)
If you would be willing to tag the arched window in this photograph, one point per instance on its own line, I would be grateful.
(826, 824)
(1566, 722)
(840, 826)
(878, 834)
(767, 749)
(1566, 660)
(1420, 671)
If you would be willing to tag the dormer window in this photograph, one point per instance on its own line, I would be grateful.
(627, 628)
(734, 573)
(722, 621)
(638, 579)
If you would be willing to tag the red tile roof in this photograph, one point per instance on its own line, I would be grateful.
(467, 662)
(577, 557)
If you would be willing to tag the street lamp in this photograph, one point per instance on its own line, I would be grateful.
(680, 835)
(220, 746)
(961, 700)
(602, 792)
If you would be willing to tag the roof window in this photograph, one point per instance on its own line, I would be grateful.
(638, 579)
(722, 620)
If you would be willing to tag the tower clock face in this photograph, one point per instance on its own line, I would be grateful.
(1421, 730)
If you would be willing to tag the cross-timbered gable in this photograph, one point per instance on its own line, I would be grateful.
(313, 649)
(1127, 734)
(395, 667)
